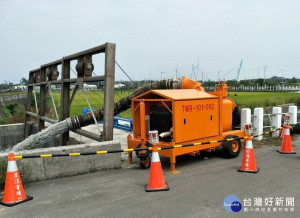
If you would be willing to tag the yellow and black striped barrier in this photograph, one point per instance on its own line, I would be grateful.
(138, 149)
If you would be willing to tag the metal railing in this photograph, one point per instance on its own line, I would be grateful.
(48, 74)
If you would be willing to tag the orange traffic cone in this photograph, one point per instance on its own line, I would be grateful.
(249, 164)
(282, 132)
(286, 145)
(156, 178)
(13, 191)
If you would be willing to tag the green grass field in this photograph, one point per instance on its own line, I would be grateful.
(263, 99)
(96, 99)
(243, 99)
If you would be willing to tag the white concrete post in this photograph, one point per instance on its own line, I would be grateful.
(245, 116)
(293, 112)
(258, 123)
(276, 119)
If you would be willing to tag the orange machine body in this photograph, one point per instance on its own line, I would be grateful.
(195, 116)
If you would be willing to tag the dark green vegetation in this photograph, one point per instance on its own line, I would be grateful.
(9, 111)
(14, 112)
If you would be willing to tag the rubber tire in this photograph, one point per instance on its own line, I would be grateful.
(142, 155)
(227, 147)
(145, 162)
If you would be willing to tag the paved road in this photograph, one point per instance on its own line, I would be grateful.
(197, 191)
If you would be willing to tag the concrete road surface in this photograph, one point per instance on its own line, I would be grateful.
(198, 190)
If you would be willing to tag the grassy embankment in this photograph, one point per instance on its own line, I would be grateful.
(12, 93)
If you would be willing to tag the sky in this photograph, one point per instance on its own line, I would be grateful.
(154, 38)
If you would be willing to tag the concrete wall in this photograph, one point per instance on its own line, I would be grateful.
(56, 167)
(21, 98)
(11, 134)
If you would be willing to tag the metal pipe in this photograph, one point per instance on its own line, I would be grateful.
(165, 134)
(78, 131)
(41, 117)
(88, 134)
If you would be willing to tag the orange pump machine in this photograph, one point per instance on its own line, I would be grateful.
(183, 116)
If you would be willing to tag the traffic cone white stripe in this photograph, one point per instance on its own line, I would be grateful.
(155, 157)
(249, 144)
(287, 131)
(12, 166)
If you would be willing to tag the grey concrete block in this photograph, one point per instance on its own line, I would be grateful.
(11, 134)
(57, 167)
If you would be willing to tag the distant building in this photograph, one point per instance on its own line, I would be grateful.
(277, 78)
(53, 87)
(89, 87)
(120, 85)
(19, 87)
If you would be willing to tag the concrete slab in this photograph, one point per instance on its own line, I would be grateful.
(57, 167)
(197, 191)
(119, 135)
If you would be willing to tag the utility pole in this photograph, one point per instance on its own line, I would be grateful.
(219, 76)
(176, 71)
(265, 69)
(161, 73)
(198, 69)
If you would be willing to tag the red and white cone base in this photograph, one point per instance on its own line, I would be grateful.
(286, 145)
(156, 178)
(13, 191)
(248, 164)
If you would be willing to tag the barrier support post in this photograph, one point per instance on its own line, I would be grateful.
(276, 119)
(258, 123)
(245, 116)
(293, 112)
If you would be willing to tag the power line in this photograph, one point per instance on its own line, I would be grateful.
(124, 72)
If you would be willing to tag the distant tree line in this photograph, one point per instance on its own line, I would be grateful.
(273, 81)
(6, 86)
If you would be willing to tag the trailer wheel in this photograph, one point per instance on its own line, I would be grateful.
(144, 156)
(145, 162)
(232, 149)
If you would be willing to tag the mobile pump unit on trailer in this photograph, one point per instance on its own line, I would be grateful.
(184, 116)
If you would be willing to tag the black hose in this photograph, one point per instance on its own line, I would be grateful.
(123, 104)
(236, 117)
(295, 129)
